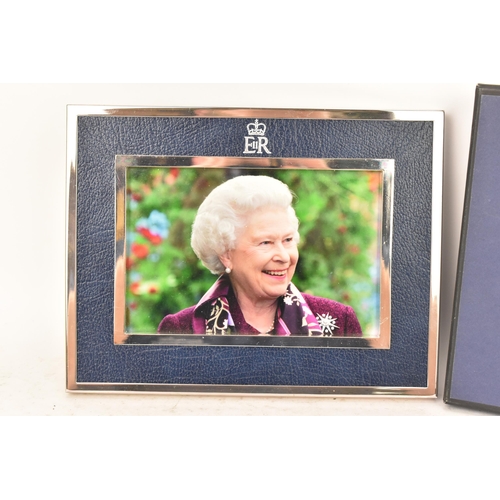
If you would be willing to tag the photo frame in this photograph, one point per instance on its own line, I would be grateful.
(473, 371)
(401, 154)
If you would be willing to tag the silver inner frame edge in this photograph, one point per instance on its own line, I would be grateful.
(386, 167)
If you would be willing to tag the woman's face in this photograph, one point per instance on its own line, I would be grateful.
(264, 259)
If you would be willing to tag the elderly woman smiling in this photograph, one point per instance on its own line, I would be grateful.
(246, 231)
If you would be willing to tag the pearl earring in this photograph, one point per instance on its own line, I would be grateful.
(228, 270)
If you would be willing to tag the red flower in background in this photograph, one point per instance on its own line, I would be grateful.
(138, 288)
(140, 251)
(373, 182)
(354, 249)
(172, 176)
(155, 239)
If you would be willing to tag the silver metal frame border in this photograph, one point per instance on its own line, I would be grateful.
(72, 385)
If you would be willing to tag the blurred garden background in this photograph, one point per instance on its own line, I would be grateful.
(339, 213)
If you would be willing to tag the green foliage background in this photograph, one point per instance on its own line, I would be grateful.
(339, 213)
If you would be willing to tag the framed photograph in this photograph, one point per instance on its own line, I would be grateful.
(158, 198)
(473, 371)
(253, 251)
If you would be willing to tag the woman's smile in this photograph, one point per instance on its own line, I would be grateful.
(277, 274)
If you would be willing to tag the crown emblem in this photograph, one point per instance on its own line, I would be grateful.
(256, 128)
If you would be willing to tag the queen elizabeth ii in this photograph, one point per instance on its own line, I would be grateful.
(246, 232)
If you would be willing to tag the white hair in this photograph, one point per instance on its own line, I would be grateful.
(222, 214)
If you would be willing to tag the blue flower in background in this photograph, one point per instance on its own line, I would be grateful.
(157, 224)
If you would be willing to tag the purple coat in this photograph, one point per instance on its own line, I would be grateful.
(326, 310)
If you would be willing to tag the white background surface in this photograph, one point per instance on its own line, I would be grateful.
(32, 300)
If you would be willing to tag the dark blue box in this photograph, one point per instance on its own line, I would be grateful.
(473, 371)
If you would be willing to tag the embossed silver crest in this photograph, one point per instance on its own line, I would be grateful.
(255, 141)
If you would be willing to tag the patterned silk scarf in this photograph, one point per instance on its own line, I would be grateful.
(212, 315)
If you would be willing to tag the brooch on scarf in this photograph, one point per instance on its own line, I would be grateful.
(327, 324)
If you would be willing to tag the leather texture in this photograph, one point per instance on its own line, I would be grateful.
(409, 143)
